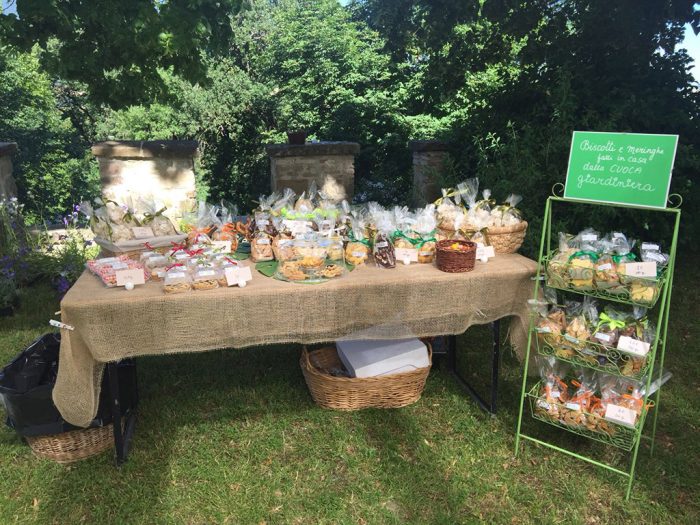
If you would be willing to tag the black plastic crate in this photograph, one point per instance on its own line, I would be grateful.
(26, 385)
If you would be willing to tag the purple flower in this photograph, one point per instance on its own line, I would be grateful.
(62, 285)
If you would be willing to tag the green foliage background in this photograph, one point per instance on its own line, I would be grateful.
(505, 81)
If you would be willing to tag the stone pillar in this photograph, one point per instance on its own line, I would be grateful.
(330, 164)
(163, 169)
(8, 188)
(429, 157)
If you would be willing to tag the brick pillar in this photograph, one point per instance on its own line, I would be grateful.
(162, 168)
(330, 164)
(8, 188)
(429, 158)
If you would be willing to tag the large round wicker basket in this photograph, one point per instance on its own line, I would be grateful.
(74, 445)
(352, 393)
(507, 239)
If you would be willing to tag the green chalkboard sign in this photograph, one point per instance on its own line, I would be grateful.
(620, 168)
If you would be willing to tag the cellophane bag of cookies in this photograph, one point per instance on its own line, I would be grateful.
(554, 392)
(99, 222)
(582, 262)
(382, 245)
(608, 389)
(607, 329)
(205, 278)
(578, 330)
(199, 224)
(153, 216)
(403, 236)
(177, 280)
(425, 229)
(507, 214)
(451, 210)
(358, 249)
(605, 275)
(576, 410)
(558, 266)
(226, 229)
(261, 247)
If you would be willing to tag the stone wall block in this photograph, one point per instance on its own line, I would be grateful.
(8, 188)
(162, 169)
(329, 164)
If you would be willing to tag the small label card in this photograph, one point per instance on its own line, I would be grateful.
(134, 276)
(641, 269)
(650, 246)
(221, 246)
(238, 274)
(484, 252)
(589, 237)
(119, 265)
(602, 337)
(573, 406)
(621, 415)
(633, 346)
(406, 255)
(604, 267)
(142, 232)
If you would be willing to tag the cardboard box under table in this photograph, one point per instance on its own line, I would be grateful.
(409, 301)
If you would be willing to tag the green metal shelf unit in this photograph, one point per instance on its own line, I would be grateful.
(627, 439)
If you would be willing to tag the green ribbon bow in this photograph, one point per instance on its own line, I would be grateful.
(503, 208)
(422, 241)
(398, 234)
(606, 320)
(485, 202)
(624, 258)
(148, 217)
(592, 255)
(470, 233)
(352, 238)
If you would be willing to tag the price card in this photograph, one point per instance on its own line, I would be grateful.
(484, 251)
(633, 346)
(134, 276)
(142, 232)
(602, 337)
(238, 274)
(641, 269)
(621, 415)
(543, 404)
(221, 246)
(297, 227)
(406, 254)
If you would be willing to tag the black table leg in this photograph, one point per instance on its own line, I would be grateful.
(122, 435)
(495, 359)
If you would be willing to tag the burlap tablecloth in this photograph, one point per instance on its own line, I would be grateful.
(418, 300)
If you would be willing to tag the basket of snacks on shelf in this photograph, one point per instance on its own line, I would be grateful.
(599, 406)
(367, 374)
(612, 341)
(454, 256)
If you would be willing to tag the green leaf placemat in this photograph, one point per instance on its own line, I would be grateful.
(268, 269)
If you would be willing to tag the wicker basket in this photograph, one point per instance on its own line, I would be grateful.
(507, 239)
(454, 261)
(75, 445)
(353, 393)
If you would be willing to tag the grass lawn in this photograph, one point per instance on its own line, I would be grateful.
(234, 437)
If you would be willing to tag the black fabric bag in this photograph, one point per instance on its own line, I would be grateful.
(27, 382)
